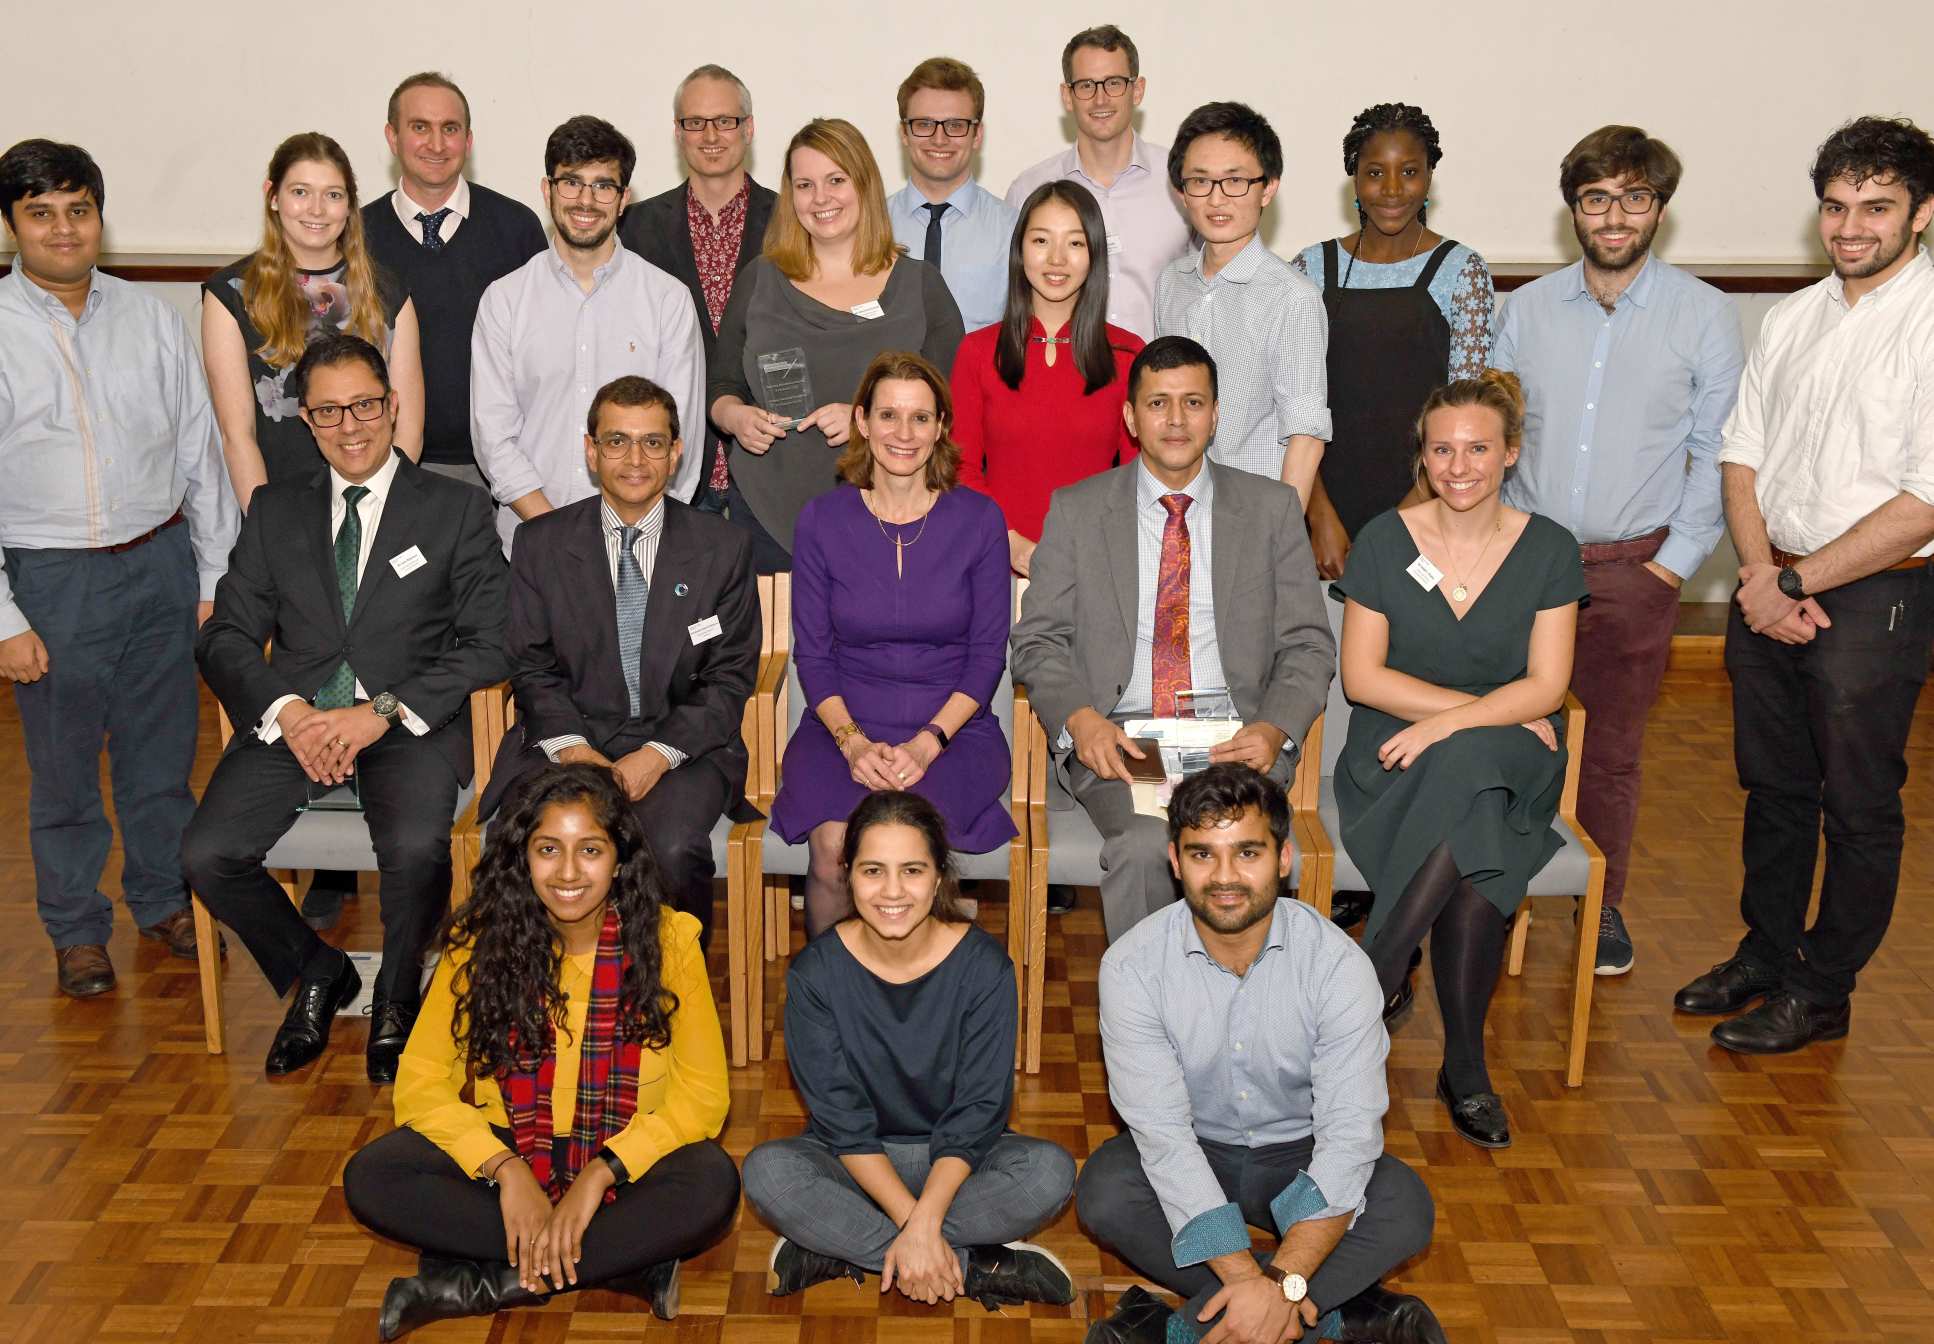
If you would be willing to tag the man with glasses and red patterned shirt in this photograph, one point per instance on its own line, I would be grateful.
(707, 228)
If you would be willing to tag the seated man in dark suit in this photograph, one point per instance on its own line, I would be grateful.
(380, 590)
(1168, 574)
(634, 641)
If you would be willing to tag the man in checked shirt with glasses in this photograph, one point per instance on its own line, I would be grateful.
(1245, 1048)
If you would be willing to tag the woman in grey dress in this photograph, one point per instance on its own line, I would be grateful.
(830, 292)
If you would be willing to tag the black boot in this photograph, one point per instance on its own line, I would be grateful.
(1139, 1317)
(442, 1290)
(1005, 1276)
(656, 1284)
(1378, 1316)
(793, 1268)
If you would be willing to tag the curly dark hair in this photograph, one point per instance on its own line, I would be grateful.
(1890, 148)
(1389, 117)
(1223, 792)
(510, 983)
(585, 139)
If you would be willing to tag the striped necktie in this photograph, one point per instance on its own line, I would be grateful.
(633, 592)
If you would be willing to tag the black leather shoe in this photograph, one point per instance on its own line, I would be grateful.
(1378, 1316)
(1783, 1024)
(389, 1032)
(1060, 898)
(1478, 1118)
(1005, 1276)
(1350, 908)
(442, 1290)
(1139, 1317)
(656, 1284)
(1399, 1005)
(304, 1033)
(1727, 987)
(793, 1268)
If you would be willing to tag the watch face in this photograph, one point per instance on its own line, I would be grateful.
(384, 704)
(1295, 1288)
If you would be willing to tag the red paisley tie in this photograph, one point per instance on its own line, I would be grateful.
(1170, 660)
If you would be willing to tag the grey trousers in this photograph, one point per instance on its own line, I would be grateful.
(804, 1193)
(1135, 877)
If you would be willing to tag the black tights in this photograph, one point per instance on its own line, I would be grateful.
(1466, 952)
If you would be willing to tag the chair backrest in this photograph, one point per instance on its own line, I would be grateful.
(1336, 714)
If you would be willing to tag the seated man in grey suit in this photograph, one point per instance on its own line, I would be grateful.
(634, 641)
(1166, 575)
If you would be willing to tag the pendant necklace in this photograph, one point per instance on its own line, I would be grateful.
(899, 539)
(1459, 592)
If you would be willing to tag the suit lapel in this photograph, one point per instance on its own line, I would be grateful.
(681, 236)
(316, 524)
(669, 610)
(1124, 558)
(393, 535)
(591, 592)
(1230, 515)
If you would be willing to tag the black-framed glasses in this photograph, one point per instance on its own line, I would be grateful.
(1232, 187)
(955, 127)
(1114, 86)
(603, 191)
(1638, 201)
(693, 125)
(654, 446)
(329, 414)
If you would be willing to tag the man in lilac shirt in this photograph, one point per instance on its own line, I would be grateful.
(1101, 87)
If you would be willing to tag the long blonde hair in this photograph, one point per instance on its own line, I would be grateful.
(790, 247)
(269, 289)
(1495, 389)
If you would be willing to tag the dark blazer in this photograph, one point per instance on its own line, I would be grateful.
(657, 230)
(1075, 642)
(564, 644)
(431, 636)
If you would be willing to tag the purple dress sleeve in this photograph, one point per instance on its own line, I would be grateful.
(992, 612)
(813, 640)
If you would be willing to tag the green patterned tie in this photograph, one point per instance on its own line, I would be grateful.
(339, 692)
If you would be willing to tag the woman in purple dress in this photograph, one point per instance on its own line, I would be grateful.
(900, 612)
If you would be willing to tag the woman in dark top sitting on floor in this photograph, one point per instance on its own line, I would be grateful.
(900, 1032)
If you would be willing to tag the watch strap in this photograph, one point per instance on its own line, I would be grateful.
(939, 735)
(620, 1174)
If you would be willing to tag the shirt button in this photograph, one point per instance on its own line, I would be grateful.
(1238, 1045)
(1591, 405)
(1242, 1096)
(1598, 364)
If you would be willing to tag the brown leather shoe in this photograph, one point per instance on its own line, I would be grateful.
(83, 970)
(177, 931)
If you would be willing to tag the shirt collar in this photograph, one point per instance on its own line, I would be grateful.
(407, 208)
(648, 526)
(1238, 270)
(562, 269)
(1919, 268)
(377, 485)
(1141, 157)
(1149, 491)
(696, 209)
(1639, 291)
(1192, 944)
(34, 295)
(962, 198)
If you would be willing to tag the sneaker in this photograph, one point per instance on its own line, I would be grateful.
(1060, 898)
(1018, 1272)
(1139, 1317)
(793, 1268)
(1615, 955)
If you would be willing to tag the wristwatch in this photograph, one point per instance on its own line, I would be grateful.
(386, 706)
(1295, 1287)
(1790, 583)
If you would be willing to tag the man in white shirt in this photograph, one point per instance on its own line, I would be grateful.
(1101, 86)
(1828, 473)
(581, 313)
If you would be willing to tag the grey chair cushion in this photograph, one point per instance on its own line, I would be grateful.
(338, 840)
(1565, 875)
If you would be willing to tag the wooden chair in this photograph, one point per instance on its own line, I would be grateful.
(1578, 868)
(341, 840)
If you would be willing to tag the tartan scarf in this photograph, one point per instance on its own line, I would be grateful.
(607, 1079)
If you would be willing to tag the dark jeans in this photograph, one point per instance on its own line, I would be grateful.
(1119, 1207)
(120, 637)
(409, 796)
(405, 1188)
(768, 556)
(1624, 640)
(1820, 731)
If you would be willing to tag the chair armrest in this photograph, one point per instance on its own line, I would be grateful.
(762, 729)
(1022, 751)
(1574, 758)
(489, 721)
(1309, 770)
(1027, 724)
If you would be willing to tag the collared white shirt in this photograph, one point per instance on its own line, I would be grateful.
(369, 512)
(1836, 407)
(1151, 520)
(976, 231)
(644, 548)
(542, 348)
(458, 205)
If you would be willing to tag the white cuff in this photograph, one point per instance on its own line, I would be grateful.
(551, 746)
(672, 754)
(268, 729)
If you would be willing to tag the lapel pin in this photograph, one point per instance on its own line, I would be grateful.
(681, 589)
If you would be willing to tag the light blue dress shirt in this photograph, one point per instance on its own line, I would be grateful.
(1623, 410)
(975, 233)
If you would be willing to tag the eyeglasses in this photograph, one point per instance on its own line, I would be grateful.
(569, 188)
(693, 125)
(1232, 187)
(654, 446)
(1114, 85)
(955, 127)
(1635, 202)
(329, 415)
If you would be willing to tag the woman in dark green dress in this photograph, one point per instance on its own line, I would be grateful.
(1457, 645)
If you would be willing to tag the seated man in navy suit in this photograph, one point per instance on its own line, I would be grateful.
(634, 641)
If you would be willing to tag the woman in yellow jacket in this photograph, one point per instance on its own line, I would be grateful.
(557, 1104)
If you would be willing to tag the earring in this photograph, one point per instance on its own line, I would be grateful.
(1426, 204)
(1357, 201)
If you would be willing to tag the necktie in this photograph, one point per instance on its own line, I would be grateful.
(931, 252)
(632, 595)
(432, 225)
(339, 692)
(1170, 656)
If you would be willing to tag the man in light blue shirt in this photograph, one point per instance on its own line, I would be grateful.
(942, 215)
(117, 522)
(1630, 367)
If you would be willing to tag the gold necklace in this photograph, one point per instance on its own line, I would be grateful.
(900, 543)
(1459, 592)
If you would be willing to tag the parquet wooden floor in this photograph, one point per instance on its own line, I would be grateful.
(152, 1193)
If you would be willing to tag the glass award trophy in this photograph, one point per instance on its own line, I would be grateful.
(784, 386)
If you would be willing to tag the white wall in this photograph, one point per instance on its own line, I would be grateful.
(183, 104)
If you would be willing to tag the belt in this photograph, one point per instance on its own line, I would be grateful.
(133, 542)
(1617, 552)
(1785, 558)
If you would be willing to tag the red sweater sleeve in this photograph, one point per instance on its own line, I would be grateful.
(971, 368)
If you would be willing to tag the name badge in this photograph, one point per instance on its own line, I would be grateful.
(868, 310)
(1428, 576)
(709, 628)
(1114, 244)
(407, 562)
